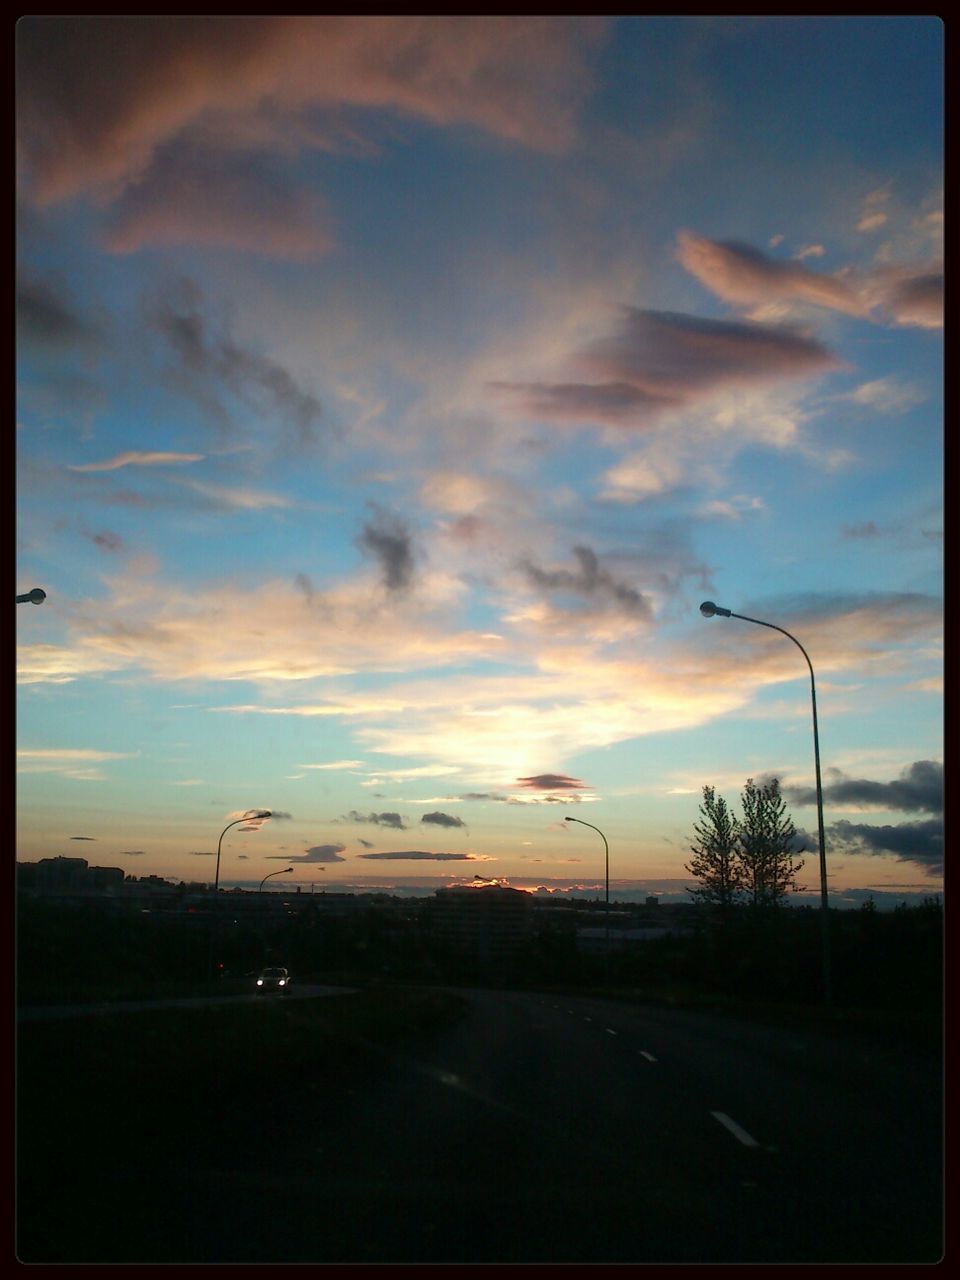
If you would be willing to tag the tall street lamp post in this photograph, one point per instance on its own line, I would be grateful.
(283, 872)
(710, 610)
(606, 860)
(252, 815)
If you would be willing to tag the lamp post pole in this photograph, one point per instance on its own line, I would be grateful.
(709, 610)
(282, 872)
(606, 863)
(252, 815)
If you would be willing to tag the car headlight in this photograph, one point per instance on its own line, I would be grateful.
(259, 982)
(283, 982)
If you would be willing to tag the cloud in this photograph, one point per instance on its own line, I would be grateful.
(913, 300)
(197, 195)
(182, 125)
(279, 815)
(334, 764)
(743, 275)
(263, 632)
(388, 540)
(443, 820)
(918, 789)
(46, 316)
(588, 579)
(869, 529)
(887, 395)
(552, 782)
(661, 361)
(71, 762)
(138, 458)
(83, 837)
(419, 855)
(318, 853)
(378, 819)
(208, 362)
(132, 853)
(916, 842)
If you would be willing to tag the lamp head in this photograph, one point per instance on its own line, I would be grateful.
(709, 609)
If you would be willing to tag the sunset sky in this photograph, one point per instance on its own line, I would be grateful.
(392, 391)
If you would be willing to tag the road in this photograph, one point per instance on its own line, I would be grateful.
(571, 1130)
(48, 1013)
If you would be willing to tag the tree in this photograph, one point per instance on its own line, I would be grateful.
(716, 855)
(767, 838)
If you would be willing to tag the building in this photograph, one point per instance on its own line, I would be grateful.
(490, 924)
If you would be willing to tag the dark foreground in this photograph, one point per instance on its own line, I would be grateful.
(422, 1126)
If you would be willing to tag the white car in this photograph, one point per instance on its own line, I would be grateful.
(273, 980)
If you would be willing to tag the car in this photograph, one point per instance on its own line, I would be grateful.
(274, 979)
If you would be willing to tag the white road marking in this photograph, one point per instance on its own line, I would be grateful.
(649, 1056)
(610, 1031)
(740, 1134)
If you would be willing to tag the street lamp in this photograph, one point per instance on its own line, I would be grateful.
(273, 873)
(710, 610)
(36, 596)
(252, 815)
(606, 858)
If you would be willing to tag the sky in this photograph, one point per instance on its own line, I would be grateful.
(391, 391)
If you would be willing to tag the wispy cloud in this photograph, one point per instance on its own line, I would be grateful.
(138, 458)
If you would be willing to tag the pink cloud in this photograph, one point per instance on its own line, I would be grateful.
(741, 274)
(660, 361)
(98, 97)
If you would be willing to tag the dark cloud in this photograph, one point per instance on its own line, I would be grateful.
(917, 842)
(278, 815)
(443, 820)
(917, 300)
(46, 316)
(588, 579)
(318, 853)
(132, 853)
(83, 837)
(552, 782)
(862, 531)
(419, 855)
(388, 540)
(378, 819)
(661, 360)
(201, 853)
(367, 844)
(209, 362)
(107, 540)
(919, 789)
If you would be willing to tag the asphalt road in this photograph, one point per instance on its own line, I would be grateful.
(296, 991)
(543, 1129)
